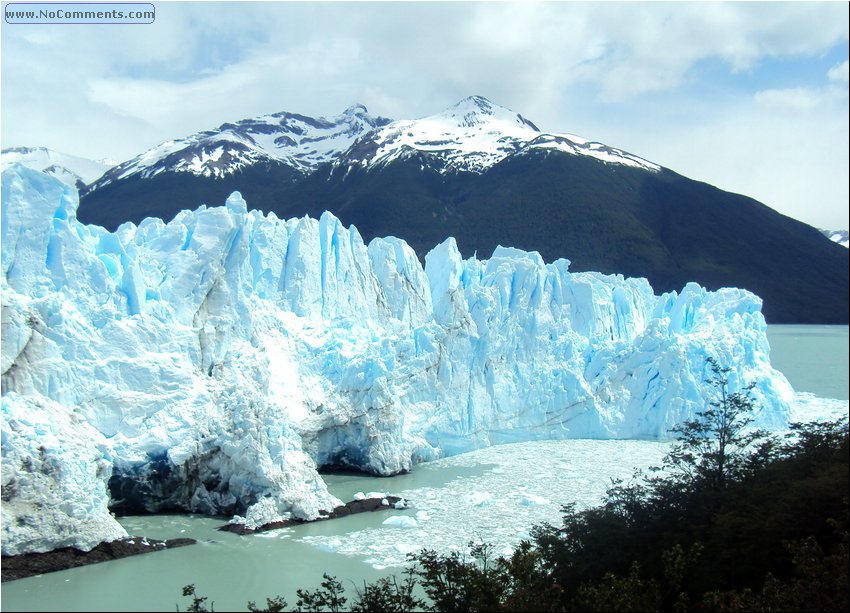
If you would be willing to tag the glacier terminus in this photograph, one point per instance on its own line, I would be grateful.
(216, 363)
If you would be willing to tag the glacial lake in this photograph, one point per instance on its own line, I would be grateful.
(813, 358)
(492, 494)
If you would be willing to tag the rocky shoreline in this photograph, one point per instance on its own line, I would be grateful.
(362, 505)
(31, 564)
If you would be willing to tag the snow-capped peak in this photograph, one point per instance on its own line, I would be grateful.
(842, 237)
(472, 136)
(478, 111)
(356, 110)
(301, 142)
(70, 169)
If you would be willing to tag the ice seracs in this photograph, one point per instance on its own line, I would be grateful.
(211, 364)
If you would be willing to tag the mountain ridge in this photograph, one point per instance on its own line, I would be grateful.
(488, 176)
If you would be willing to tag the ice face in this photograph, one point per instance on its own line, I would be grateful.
(54, 479)
(222, 357)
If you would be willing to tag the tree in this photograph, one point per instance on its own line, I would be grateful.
(330, 597)
(387, 595)
(716, 445)
(273, 605)
(199, 603)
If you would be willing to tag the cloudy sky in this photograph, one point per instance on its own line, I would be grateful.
(750, 97)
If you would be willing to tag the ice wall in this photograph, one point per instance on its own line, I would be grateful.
(213, 362)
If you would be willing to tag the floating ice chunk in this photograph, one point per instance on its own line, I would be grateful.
(406, 548)
(331, 545)
(377, 564)
(270, 534)
(808, 407)
(528, 500)
(480, 499)
(401, 504)
(401, 521)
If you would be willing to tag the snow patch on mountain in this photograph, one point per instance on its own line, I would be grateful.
(842, 237)
(212, 363)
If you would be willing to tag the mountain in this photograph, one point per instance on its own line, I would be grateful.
(472, 136)
(488, 176)
(258, 157)
(70, 169)
(842, 237)
(212, 364)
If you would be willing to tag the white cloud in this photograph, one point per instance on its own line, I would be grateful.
(839, 73)
(630, 49)
(613, 72)
(808, 98)
(257, 83)
(797, 98)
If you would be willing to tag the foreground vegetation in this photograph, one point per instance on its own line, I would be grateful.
(734, 520)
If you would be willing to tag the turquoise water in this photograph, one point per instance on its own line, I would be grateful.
(228, 567)
(815, 359)
(493, 494)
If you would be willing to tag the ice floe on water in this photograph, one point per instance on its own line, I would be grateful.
(401, 521)
(524, 484)
(808, 407)
(282, 533)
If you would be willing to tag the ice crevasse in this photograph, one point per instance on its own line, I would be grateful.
(213, 363)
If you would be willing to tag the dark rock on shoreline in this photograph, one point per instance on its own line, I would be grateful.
(31, 564)
(349, 508)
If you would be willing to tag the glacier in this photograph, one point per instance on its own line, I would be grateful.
(215, 363)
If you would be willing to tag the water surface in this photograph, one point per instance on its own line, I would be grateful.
(815, 359)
